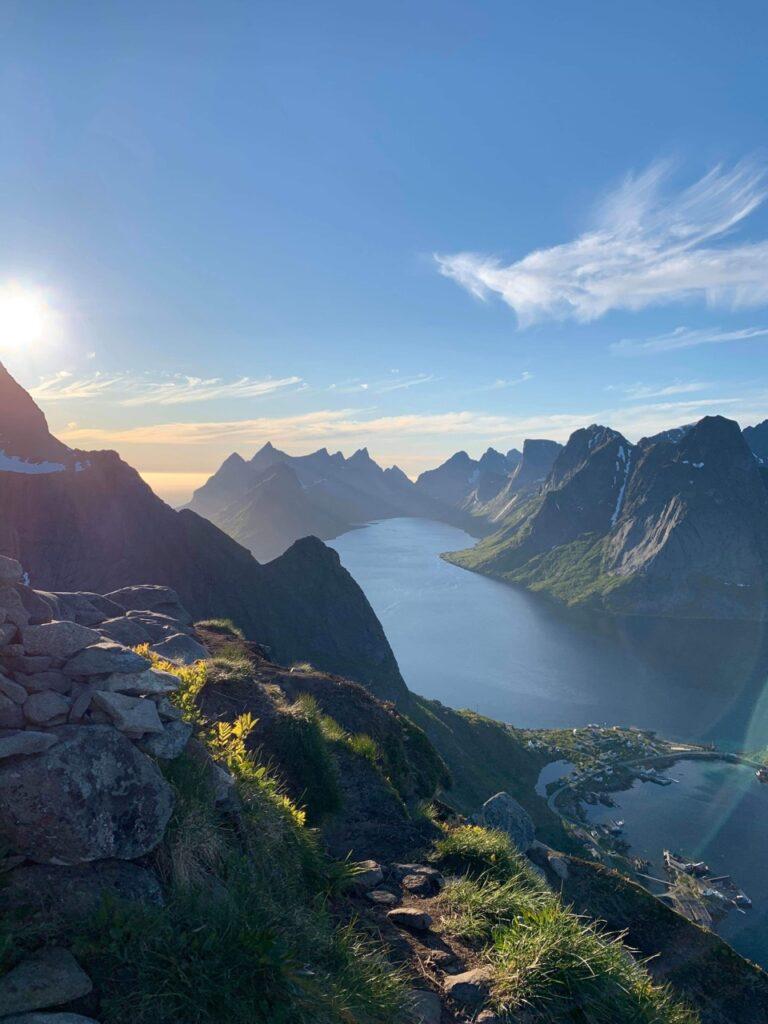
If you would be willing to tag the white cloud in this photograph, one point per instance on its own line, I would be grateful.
(683, 337)
(501, 383)
(636, 392)
(648, 246)
(131, 390)
(381, 387)
(351, 426)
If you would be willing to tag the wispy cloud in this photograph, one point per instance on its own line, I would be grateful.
(647, 246)
(636, 392)
(683, 337)
(381, 387)
(501, 383)
(131, 390)
(353, 426)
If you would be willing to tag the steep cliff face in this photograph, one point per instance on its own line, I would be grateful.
(676, 525)
(95, 525)
(531, 469)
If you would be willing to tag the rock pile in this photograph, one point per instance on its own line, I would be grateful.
(83, 718)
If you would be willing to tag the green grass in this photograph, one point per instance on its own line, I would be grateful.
(224, 626)
(545, 960)
(245, 935)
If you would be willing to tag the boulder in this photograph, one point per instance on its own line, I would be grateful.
(470, 988)
(426, 1007)
(382, 898)
(169, 743)
(15, 691)
(10, 570)
(408, 917)
(125, 631)
(419, 879)
(151, 681)
(46, 708)
(48, 978)
(104, 658)
(7, 633)
(132, 715)
(60, 896)
(58, 639)
(11, 605)
(85, 608)
(11, 715)
(91, 796)
(25, 743)
(40, 607)
(503, 813)
(157, 625)
(50, 680)
(180, 649)
(367, 876)
(151, 598)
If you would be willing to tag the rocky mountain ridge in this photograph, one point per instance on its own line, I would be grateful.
(675, 525)
(90, 523)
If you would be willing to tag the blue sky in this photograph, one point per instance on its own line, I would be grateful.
(253, 196)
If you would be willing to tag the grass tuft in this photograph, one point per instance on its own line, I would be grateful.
(224, 626)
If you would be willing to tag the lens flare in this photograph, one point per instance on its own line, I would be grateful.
(27, 319)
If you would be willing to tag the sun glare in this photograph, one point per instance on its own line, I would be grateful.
(27, 319)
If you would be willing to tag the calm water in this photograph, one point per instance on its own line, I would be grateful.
(472, 642)
(717, 813)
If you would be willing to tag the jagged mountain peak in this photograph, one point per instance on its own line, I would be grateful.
(26, 443)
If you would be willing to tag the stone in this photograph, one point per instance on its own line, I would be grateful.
(180, 649)
(26, 742)
(157, 625)
(132, 715)
(81, 703)
(49, 1018)
(151, 681)
(58, 639)
(48, 978)
(11, 715)
(15, 691)
(50, 680)
(29, 664)
(46, 708)
(59, 896)
(151, 598)
(7, 633)
(408, 917)
(382, 898)
(488, 1017)
(169, 743)
(368, 874)
(503, 813)
(91, 796)
(10, 570)
(12, 605)
(423, 884)
(168, 712)
(469, 988)
(104, 658)
(426, 1007)
(85, 608)
(125, 631)
(40, 607)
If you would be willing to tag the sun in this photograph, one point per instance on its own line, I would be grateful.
(27, 319)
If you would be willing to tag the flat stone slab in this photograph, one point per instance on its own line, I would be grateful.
(382, 898)
(132, 715)
(180, 649)
(46, 708)
(151, 681)
(58, 639)
(49, 978)
(103, 658)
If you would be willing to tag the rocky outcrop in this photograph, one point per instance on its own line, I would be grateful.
(504, 814)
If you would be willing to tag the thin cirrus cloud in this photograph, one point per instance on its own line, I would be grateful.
(354, 427)
(382, 387)
(648, 246)
(130, 390)
(683, 337)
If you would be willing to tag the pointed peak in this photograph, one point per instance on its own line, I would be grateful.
(235, 459)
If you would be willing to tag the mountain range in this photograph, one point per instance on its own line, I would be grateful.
(86, 521)
(269, 501)
(675, 525)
